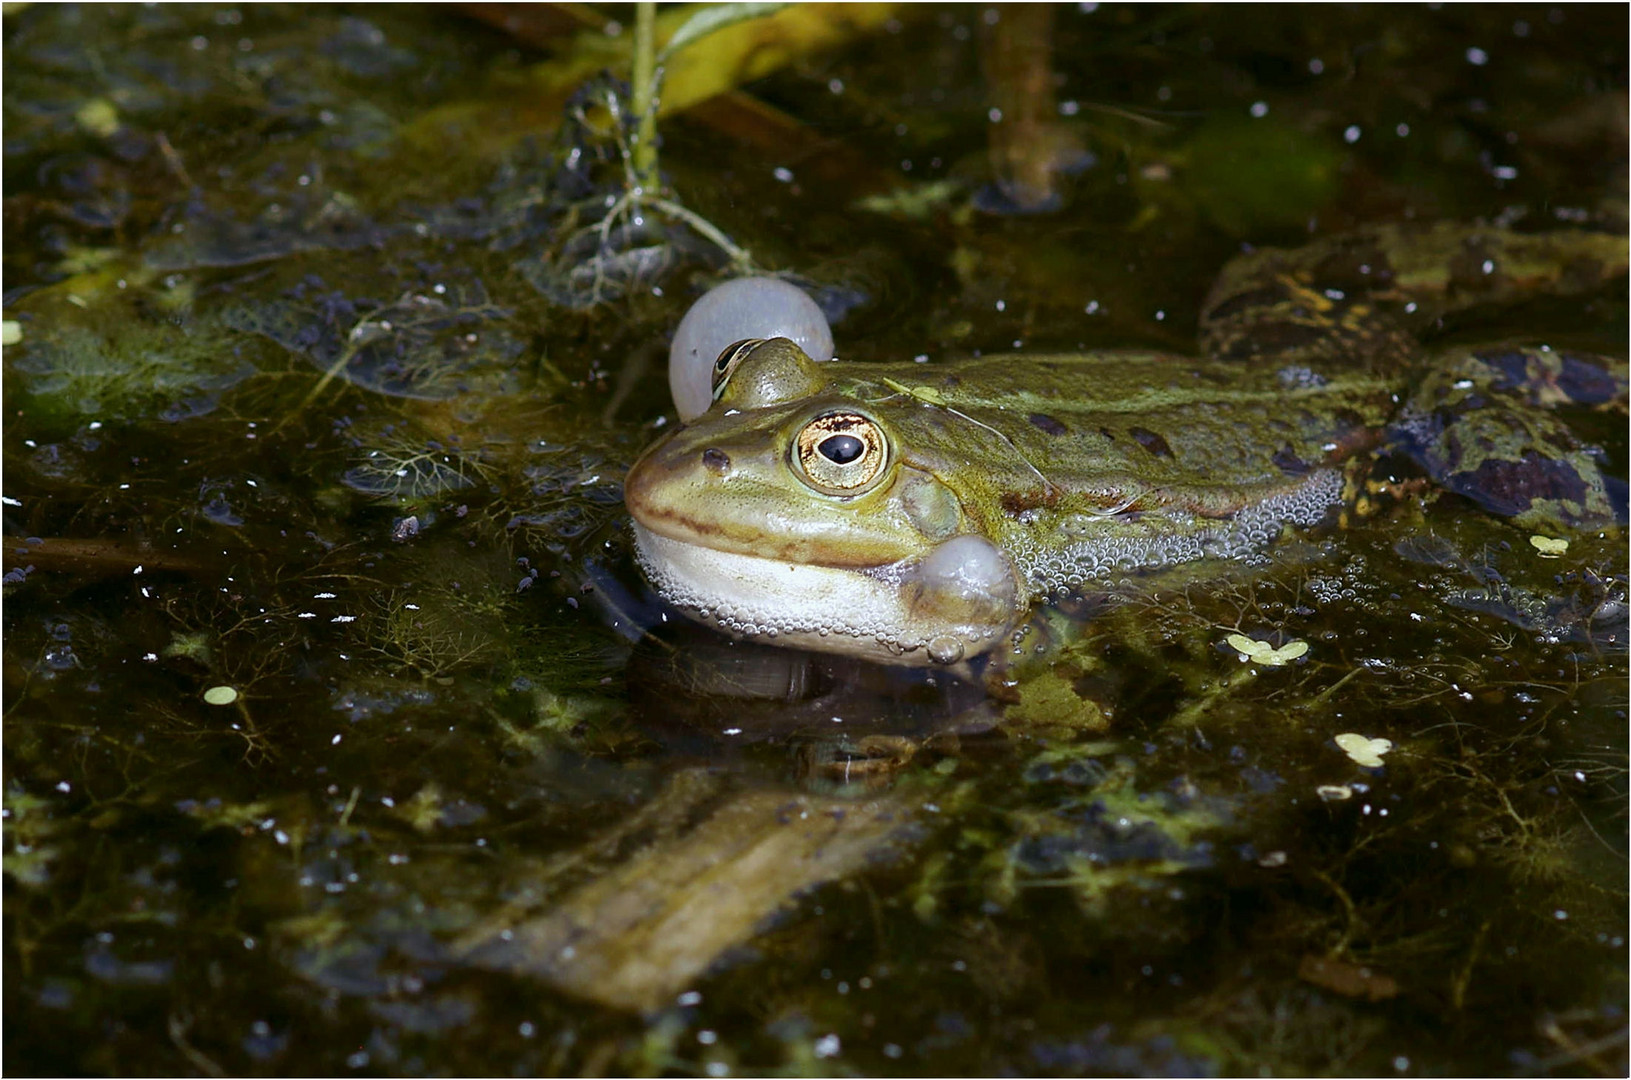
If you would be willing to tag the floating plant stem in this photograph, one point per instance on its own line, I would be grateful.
(708, 230)
(646, 77)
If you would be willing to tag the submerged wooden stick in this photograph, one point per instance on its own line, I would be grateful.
(91, 558)
(639, 935)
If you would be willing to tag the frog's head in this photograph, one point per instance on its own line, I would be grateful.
(791, 509)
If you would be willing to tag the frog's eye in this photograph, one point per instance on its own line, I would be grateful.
(841, 453)
(730, 360)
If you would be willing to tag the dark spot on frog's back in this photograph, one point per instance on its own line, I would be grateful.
(1048, 424)
(1150, 441)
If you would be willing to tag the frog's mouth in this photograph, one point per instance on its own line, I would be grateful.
(857, 612)
(750, 596)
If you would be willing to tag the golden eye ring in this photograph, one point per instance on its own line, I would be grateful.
(841, 453)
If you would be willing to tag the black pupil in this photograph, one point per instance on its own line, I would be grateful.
(841, 449)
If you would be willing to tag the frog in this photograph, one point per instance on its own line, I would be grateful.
(913, 513)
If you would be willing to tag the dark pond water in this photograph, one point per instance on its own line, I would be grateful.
(342, 737)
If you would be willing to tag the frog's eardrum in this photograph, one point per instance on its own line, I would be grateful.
(750, 307)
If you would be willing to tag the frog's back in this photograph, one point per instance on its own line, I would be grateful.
(1084, 467)
(1100, 429)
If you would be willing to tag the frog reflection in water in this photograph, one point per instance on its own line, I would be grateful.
(912, 513)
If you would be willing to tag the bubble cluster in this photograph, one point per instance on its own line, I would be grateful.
(771, 613)
(1354, 582)
(1054, 569)
(956, 600)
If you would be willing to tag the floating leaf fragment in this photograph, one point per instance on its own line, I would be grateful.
(99, 117)
(11, 332)
(1261, 652)
(1363, 750)
(1349, 980)
(915, 202)
(1548, 547)
(926, 394)
(220, 695)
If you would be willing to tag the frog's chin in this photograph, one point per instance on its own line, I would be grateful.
(911, 612)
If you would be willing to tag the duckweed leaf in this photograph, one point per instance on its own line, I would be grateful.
(220, 695)
(1363, 750)
(1261, 652)
(1549, 547)
(99, 117)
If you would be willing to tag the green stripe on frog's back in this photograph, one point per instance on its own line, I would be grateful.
(1097, 425)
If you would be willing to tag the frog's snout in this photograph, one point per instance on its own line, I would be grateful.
(662, 484)
(645, 479)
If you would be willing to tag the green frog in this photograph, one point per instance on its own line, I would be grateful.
(912, 513)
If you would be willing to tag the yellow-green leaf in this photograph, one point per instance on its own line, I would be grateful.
(220, 695)
(1363, 750)
(1261, 652)
(1548, 547)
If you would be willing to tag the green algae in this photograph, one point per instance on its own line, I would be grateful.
(111, 370)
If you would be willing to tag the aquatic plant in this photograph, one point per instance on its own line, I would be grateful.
(105, 366)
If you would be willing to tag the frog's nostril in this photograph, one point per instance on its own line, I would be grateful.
(716, 461)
